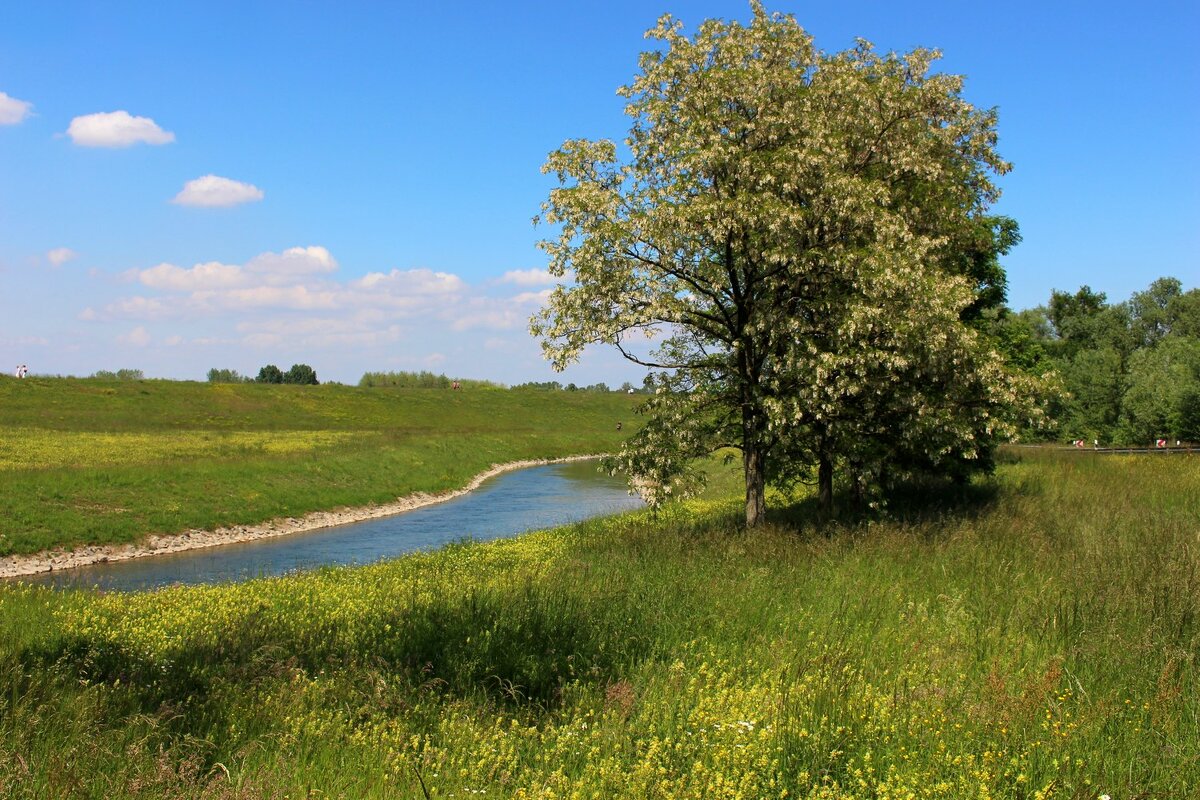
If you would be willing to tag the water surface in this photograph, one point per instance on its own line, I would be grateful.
(505, 505)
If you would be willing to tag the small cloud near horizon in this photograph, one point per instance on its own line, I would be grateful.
(61, 255)
(213, 191)
(528, 277)
(12, 110)
(116, 129)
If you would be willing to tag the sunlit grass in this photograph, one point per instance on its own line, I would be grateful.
(1038, 639)
(39, 448)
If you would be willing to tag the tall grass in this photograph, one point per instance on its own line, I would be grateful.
(1035, 637)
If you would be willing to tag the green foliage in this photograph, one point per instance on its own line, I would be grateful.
(301, 375)
(421, 380)
(1020, 337)
(1083, 321)
(119, 375)
(1128, 369)
(1160, 310)
(1164, 381)
(1097, 380)
(1035, 639)
(541, 386)
(977, 257)
(226, 376)
(555, 386)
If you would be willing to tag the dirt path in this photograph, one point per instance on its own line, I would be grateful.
(48, 561)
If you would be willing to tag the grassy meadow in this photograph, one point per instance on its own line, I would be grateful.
(97, 462)
(1033, 635)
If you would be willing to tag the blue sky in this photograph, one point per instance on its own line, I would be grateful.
(381, 166)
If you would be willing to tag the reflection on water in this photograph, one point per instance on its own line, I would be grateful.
(508, 504)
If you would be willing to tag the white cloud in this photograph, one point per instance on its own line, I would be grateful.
(296, 301)
(61, 255)
(212, 275)
(412, 282)
(533, 298)
(138, 337)
(213, 191)
(295, 298)
(116, 129)
(12, 110)
(299, 279)
(529, 277)
(294, 261)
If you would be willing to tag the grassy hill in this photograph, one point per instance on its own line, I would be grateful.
(97, 462)
(1034, 635)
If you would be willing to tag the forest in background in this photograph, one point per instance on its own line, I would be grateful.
(1130, 371)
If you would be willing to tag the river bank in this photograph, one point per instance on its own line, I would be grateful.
(49, 561)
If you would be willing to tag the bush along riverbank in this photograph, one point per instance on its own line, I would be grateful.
(1032, 635)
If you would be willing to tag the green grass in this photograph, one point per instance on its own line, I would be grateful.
(1033, 635)
(95, 462)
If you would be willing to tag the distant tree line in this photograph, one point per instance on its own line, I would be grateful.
(1130, 371)
(420, 380)
(119, 375)
(647, 387)
(301, 374)
(431, 380)
(227, 376)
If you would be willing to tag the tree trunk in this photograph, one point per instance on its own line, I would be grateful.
(825, 485)
(756, 482)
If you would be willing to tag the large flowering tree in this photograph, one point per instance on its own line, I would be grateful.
(807, 235)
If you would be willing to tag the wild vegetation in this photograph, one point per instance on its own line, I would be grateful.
(1131, 370)
(1033, 634)
(96, 462)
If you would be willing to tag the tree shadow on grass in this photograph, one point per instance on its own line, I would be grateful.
(915, 502)
(518, 646)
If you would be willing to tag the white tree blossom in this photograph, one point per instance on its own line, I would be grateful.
(792, 225)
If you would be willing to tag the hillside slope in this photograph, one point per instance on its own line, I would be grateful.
(95, 462)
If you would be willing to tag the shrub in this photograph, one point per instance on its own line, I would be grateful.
(301, 374)
(226, 376)
(119, 375)
(419, 380)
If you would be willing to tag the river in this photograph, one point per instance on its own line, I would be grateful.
(506, 505)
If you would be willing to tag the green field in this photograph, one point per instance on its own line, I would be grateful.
(97, 462)
(1033, 635)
